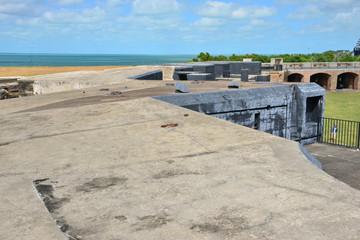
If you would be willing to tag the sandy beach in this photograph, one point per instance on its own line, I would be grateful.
(32, 71)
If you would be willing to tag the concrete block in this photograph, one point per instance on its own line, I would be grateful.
(181, 88)
(234, 85)
(244, 75)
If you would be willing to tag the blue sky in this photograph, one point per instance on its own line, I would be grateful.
(178, 26)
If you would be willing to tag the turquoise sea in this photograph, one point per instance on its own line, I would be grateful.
(42, 59)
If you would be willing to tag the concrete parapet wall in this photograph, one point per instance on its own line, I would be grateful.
(325, 65)
(45, 87)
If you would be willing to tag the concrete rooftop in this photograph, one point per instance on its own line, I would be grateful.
(106, 169)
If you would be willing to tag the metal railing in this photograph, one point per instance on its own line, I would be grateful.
(347, 133)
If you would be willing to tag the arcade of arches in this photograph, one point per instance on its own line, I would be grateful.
(329, 80)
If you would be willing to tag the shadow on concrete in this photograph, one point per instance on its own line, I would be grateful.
(341, 163)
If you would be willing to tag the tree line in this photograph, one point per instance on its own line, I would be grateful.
(328, 56)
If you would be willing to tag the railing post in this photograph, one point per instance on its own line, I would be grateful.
(358, 136)
(320, 130)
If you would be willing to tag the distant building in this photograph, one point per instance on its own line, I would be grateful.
(357, 49)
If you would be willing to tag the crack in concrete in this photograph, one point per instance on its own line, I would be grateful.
(66, 133)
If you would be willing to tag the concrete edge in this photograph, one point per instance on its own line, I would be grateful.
(147, 75)
(310, 157)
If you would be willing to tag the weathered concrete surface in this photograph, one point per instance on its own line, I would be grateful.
(117, 174)
(59, 82)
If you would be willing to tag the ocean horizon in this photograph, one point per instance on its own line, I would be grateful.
(67, 59)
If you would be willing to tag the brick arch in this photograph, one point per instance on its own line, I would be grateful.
(295, 77)
(347, 80)
(321, 78)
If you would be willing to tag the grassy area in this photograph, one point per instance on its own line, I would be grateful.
(344, 106)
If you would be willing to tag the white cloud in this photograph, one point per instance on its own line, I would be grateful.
(28, 22)
(316, 9)
(259, 22)
(154, 7)
(329, 3)
(215, 9)
(10, 8)
(148, 23)
(257, 25)
(241, 13)
(73, 16)
(231, 10)
(349, 17)
(262, 11)
(70, 2)
(19, 8)
(318, 29)
(254, 12)
(307, 12)
(209, 22)
(113, 3)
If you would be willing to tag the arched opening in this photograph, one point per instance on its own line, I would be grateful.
(295, 77)
(347, 80)
(322, 79)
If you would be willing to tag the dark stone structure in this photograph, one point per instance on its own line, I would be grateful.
(253, 67)
(221, 69)
(211, 71)
(288, 111)
(357, 49)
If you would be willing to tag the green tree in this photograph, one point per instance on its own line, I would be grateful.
(204, 57)
(328, 56)
(220, 58)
